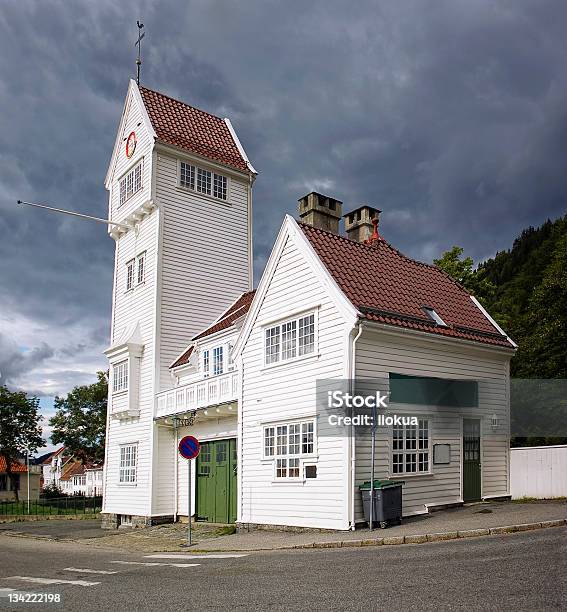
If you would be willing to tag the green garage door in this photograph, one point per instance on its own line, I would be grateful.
(216, 482)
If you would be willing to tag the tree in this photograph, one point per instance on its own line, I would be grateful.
(462, 270)
(20, 431)
(80, 420)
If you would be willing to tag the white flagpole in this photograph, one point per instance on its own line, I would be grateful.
(76, 214)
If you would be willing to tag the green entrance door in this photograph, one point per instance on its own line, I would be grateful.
(216, 482)
(471, 460)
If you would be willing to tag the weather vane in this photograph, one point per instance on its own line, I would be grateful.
(138, 44)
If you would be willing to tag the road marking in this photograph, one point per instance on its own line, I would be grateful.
(88, 571)
(212, 556)
(157, 563)
(51, 580)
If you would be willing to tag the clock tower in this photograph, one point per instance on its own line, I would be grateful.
(180, 185)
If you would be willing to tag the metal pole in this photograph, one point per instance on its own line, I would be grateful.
(76, 214)
(372, 459)
(189, 505)
(28, 466)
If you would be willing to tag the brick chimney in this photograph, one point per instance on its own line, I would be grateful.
(358, 223)
(320, 211)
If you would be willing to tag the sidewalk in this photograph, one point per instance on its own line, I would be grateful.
(469, 521)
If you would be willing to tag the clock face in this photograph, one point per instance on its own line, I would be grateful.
(131, 144)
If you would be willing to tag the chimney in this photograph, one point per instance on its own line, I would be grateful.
(359, 224)
(320, 211)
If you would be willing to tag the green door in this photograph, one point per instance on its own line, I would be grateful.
(471, 460)
(216, 482)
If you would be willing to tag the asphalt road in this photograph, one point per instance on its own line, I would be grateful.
(521, 571)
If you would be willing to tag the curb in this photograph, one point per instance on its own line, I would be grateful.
(434, 537)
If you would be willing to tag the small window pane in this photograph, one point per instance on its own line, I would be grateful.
(273, 344)
(269, 441)
(307, 438)
(281, 468)
(218, 360)
(307, 335)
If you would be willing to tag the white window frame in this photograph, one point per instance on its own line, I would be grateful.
(128, 464)
(283, 341)
(120, 375)
(141, 266)
(407, 449)
(130, 274)
(288, 445)
(206, 363)
(190, 177)
(218, 361)
(130, 183)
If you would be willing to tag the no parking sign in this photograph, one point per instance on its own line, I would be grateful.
(189, 448)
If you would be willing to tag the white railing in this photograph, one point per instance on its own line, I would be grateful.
(199, 394)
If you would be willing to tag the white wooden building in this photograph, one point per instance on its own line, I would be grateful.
(195, 350)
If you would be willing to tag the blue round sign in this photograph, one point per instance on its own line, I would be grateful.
(189, 447)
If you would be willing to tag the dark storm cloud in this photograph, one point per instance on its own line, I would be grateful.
(449, 116)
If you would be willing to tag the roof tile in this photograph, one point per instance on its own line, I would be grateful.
(388, 287)
(194, 130)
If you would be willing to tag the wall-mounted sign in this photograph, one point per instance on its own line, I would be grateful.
(131, 143)
(441, 454)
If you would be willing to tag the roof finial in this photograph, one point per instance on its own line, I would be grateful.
(138, 44)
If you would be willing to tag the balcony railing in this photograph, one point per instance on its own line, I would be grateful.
(199, 394)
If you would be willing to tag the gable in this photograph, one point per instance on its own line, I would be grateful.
(294, 278)
(134, 119)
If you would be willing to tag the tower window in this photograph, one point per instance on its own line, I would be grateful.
(187, 175)
(141, 268)
(131, 183)
(130, 275)
(203, 181)
(120, 376)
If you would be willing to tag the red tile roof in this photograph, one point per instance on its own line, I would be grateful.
(74, 470)
(388, 287)
(228, 318)
(47, 460)
(184, 126)
(17, 467)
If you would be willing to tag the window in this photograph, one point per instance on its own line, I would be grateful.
(120, 376)
(218, 360)
(128, 459)
(291, 339)
(219, 186)
(411, 448)
(288, 443)
(14, 484)
(130, 183)
(206, 363)
(141, 268)
(203, 181)
(430, 312)
(130, 275)
(187, 175)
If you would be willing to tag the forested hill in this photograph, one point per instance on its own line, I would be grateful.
(525, 290)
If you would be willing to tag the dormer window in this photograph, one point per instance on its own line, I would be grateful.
(203, 181)
(432, 314)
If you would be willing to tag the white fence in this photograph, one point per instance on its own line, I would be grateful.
(538, 471)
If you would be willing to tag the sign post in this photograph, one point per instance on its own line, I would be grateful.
(189, 448)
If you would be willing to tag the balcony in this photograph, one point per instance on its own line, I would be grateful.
(200, 394)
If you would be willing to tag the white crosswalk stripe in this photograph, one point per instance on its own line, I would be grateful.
(39, 580)
(157, 563)
(85, 570)
(211, 556)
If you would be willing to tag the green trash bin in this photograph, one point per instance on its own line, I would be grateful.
(387, 501)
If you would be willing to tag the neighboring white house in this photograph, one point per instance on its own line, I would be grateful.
(53, 468)
(327, 307)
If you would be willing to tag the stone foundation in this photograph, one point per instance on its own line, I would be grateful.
(111, 520)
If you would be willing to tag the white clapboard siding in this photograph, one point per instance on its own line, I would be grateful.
(378, 354)
(205, 259)
(285, 392)
(131, 308)
(539, 471)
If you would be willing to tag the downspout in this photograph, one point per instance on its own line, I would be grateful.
(352, 376)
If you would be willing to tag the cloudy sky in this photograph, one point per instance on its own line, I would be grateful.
(450, 116)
